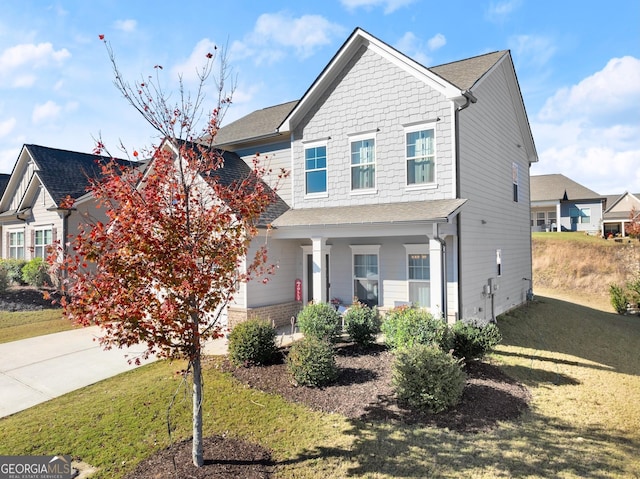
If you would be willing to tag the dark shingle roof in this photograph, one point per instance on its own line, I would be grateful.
(4, 181)
(236, 170)
(559, 187)
(67, 173)
(411, 211)
(465, 73)
(255, 125)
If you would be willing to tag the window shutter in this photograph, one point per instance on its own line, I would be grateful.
(54, 235)
(8, 249)
(32, 246)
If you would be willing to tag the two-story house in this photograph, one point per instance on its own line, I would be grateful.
(407, 184)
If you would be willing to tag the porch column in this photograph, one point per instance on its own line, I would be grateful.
(436, 276)
(558, 219)
(319, 252)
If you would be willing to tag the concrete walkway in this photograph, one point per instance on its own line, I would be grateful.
(38, 369)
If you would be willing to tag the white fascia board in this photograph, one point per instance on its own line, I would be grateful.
(333, 69)
(15, 178)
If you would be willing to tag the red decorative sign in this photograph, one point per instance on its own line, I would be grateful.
(298, 290)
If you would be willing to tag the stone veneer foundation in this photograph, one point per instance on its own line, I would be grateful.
(278, 314)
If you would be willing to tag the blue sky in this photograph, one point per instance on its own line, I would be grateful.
(577, 61)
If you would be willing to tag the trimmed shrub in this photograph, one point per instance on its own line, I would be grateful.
(5, 281)
(470, 341)
(362, 323)
(321, 321)
(36, 273)
(311, 362)
(252, 342)
(14, 269)
(405, 326)
(618, 298)
(428, 378)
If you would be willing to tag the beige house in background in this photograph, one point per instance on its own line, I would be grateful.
(618, 213)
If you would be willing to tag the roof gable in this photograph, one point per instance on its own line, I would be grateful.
(624, 203)
(358, 39)
(559, 187)
(464, 74)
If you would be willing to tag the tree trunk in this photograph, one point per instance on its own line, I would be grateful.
(197, 454)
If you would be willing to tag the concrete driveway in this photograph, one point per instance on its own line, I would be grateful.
(37, 369)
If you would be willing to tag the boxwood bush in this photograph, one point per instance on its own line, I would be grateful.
(36, 273)
(321, 321)
(14, 269)
(470, 341)
(311, 362)
(362, 323)
(427, 378)
(252, 343)
(405, 326)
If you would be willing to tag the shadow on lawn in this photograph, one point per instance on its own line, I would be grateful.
(604, 340)
(540, 447)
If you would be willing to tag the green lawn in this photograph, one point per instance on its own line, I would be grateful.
(580, 363)
(27, 324)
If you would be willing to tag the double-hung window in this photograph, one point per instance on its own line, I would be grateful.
(421, 156)
(418, 275)
(366, 274)
(315, 169)
(16, 244)
(363, 163)
(42, 239)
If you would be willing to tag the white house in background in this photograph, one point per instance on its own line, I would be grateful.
(560, 204)
(618, 213)
(408, 184)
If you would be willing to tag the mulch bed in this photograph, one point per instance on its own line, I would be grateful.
(363, 392)
(27, 298)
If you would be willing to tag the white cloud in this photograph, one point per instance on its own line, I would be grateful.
(414, 47)
(8, 158)
(275, 33)
(18, 63)
(190, 68)
(498, 12)
(7, 126)
(38, 55)
(125, 25)
(45, 112)
(532, 50)
(390, 6)
(590, 131)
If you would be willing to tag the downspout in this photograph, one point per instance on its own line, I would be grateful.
(470, 98)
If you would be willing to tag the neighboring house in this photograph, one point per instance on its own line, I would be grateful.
(33, 215)
(407, 184)
(618, 213)
(560, 204)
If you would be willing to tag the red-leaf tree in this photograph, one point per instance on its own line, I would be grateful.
(175, 243)
(633, 228)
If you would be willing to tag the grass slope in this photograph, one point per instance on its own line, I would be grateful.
(26, 324)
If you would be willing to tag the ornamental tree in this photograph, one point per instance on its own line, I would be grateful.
(174, 247)
(633, 228)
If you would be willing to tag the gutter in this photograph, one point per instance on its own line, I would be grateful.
(470, 98)
(443, 273)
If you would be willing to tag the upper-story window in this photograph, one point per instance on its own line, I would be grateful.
(41, 240)
(363, 163)
(421, 156)
(315, 169)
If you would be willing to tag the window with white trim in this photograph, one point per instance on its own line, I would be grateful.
(419, 275)
(16, 244)
(315, 169)
(366, 274)
(42, 238)
(515, 173)
(421, 156)
(363, 164)
(580, 215)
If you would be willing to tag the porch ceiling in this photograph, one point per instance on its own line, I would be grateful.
(433, 211)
